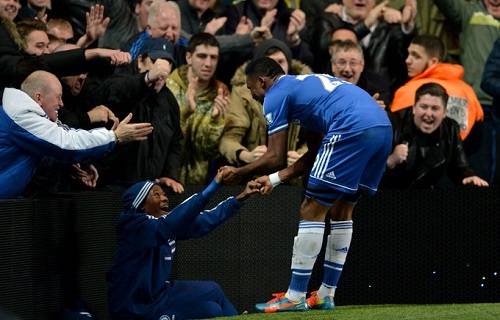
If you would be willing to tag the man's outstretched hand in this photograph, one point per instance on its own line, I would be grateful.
(126, 132)
(231, 175)
(226, 175)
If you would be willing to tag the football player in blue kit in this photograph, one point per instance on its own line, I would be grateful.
(349, 141)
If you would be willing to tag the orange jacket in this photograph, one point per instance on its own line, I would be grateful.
(463, 105)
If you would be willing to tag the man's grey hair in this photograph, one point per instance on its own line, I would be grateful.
(158, 6)
(344, 46)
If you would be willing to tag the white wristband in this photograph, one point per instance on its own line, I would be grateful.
(275, 179)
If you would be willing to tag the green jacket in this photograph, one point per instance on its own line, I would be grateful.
(477, 30)
(430, 20)
(202, 132)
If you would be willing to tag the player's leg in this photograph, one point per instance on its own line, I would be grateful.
(307, 245)
(337, 247)
(366, 153)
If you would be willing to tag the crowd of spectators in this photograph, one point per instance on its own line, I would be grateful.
(179, 65)
(125, 91)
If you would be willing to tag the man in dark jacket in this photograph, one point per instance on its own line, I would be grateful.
(63, 63)
(285, 24)
(384, 34)
(491, 85)
(77, 112)
(147, 234)
(427, 145)
(146, 96)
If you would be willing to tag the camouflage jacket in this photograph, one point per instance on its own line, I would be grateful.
(201, 131)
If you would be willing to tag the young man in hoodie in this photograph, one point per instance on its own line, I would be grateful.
(424, 65)
(138, 286)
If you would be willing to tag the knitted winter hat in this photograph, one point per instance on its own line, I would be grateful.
(135, 196)
(260, 50)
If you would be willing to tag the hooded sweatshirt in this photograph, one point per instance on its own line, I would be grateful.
(146, 246)
(463, 105)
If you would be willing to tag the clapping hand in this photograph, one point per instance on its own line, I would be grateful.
(244, 26)
(297, 23)
(192, 90)
(215, 25)
(268, 19)
(409, 14)
(221, 103)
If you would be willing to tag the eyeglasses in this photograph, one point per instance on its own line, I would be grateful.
(342, 63)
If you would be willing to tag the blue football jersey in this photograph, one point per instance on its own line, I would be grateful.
(320, 103)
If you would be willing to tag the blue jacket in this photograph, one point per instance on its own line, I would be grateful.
(146, 248)
(27, 135)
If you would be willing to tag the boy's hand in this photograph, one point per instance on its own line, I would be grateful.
(251, 188)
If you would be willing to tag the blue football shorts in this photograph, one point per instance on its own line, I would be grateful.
(348, 164)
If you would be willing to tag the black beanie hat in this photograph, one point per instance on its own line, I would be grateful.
(260, 50)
